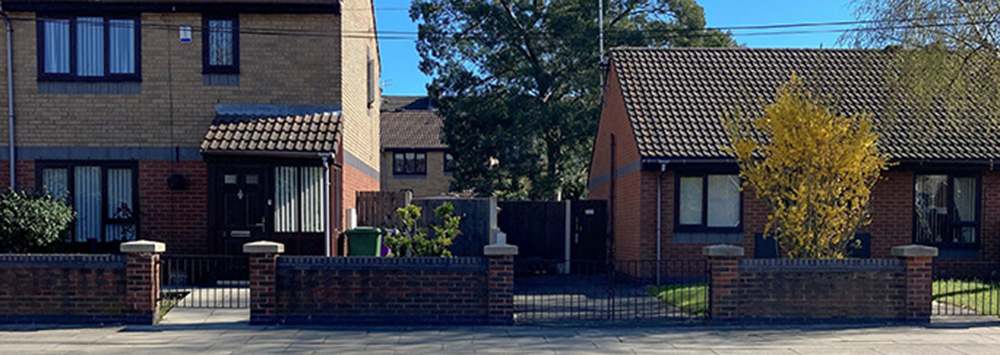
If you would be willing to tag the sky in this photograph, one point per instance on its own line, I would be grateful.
(400, 75)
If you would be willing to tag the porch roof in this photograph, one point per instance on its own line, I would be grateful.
(264, 133)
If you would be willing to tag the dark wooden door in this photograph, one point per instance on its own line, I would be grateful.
(243, 207)
(589, 220)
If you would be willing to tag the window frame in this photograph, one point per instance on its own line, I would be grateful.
(72, 76)
(952, 210)
(207, 68)
(70, 166)
(401, 171)
(300, 182)
(449, 169)
(703, 226)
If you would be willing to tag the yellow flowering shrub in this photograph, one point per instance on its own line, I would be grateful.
(813, 168)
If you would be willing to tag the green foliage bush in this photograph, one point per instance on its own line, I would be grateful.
(413, 240)
(31, 220)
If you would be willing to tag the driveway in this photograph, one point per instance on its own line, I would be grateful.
(223, 333)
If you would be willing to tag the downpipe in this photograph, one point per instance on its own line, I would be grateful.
(12, 158)
(326, 208)
(659, 223)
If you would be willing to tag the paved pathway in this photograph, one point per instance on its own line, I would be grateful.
(224, 332)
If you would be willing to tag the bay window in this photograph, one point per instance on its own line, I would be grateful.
(102, 194)
(946, 210)
(708, 203)
(88, 48)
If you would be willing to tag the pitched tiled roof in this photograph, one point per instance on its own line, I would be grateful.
(317, 132)
(676, 97)
(411, 129)
(399, 103)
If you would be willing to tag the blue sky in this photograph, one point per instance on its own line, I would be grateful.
(400, 75)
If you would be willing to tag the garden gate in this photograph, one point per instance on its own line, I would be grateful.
(205, 281)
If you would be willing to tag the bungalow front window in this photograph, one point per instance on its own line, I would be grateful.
(708, 203)
(102, 196)
(88, 48)
(946, 210)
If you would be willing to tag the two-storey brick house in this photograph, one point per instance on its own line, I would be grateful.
(414, 158)
(204, 124)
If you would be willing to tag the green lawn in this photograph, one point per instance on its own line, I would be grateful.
(981, 297)
(689, 298)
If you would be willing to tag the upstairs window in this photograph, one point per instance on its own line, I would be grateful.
(409, 163)
(220, 45)
(88, 48)
(947, 210)
(449, 163)
(708, 203)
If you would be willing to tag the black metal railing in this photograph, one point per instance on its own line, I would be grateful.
(205, 281)
(956, 293)
(547, 291)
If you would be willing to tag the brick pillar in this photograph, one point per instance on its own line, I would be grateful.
(919, 260)
(142, 278)
(501, 283)
(263, 274)
(723, 261)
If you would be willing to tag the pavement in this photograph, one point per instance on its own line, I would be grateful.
(220, 331)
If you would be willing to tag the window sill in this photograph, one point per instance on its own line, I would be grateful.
(708, 238)
(84, 87)
(411, 177)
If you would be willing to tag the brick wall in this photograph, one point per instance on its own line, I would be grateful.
(414, 291)
(355, 180)
(68, 289)
(361, 120)
(176, 217)
(388, 291)
(435, 183)
(782, 290)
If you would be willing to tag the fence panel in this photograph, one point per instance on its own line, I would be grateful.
(378, 208)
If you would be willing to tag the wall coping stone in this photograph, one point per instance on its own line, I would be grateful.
(722, 250)
(263, 247)
(914, 250)
(821, 265)
(500, 249)
(376, 263)
(62, 261)
(143, 246)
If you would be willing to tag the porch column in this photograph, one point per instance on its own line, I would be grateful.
(919, 260)
(142, 278)
(263, 273)
(724, 263)
(500, 282)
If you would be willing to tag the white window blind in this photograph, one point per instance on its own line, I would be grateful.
(87, 202)
(690, 201)
(56, 182)
(90, 46)
(121, 37)
(723, 201)
(56, 37)
(119, 199)
(312, 199)
(286, 199)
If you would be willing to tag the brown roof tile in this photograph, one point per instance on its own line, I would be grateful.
(675, 98)
(411, 129)
(232, 132)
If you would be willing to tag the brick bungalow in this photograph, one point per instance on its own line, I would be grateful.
(413, 156)
(200, 123)
(660, 130)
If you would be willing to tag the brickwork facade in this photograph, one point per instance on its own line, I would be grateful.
(178, 218)
(435, 183)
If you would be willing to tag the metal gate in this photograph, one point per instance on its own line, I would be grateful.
(961, 291)
(588, 291)
(205, 281)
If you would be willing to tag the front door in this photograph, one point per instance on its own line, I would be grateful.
(242, 207)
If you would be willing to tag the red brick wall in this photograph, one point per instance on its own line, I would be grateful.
(62, 288)
(318, 290)
(891, 213)
(178, 218)
(627, 212)
(355, 180)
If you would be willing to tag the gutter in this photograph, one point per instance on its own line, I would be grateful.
(663, 161)
(257, 153)
(12, 158)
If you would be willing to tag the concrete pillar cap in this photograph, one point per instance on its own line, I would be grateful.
(263, 247)
(143, 246)
(914, 250)
(722, 250)
(500, 249)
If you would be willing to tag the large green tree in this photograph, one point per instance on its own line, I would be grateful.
(518, 82)
(944, 52)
